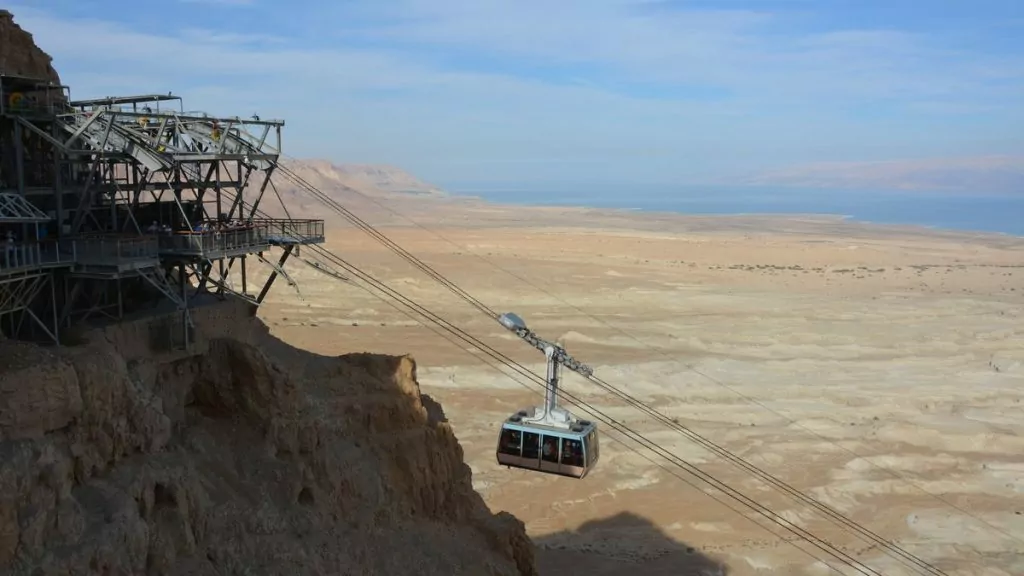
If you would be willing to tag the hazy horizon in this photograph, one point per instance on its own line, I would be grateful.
(979, 212)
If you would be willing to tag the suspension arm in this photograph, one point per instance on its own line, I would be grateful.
(515, 324)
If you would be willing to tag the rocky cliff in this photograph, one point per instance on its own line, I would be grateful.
(19, 55)
(243, 455)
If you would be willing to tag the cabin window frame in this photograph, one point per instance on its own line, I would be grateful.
(536, 448)
(580, 459)
(503, 445)
(556, 457)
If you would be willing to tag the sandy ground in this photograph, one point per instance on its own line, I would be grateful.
(879, 370)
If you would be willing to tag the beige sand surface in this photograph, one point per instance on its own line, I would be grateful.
(880, 370)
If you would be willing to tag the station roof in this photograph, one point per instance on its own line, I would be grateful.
(117, 100)
(15, 208)
(13, 82)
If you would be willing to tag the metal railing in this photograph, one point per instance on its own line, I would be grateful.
(35, 104)
(112, 249)
(291, 231)
(210, 242)
(22, 256)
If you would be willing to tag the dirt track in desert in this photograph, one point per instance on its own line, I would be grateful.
(879, 370)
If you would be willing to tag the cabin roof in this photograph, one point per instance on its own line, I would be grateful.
(546, 429)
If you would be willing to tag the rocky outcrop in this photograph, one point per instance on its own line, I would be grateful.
(244, 455)
(19, 55)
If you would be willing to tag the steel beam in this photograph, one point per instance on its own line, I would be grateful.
(206, 119)
(17, 296)
(273, 275)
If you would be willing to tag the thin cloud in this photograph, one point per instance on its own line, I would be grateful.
(194, 53)
(740, 50)
(221, 2)
(209, 36)
(440, 86)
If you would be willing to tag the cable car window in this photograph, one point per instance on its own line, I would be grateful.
(595, 441)
(531, 445)
(511, 442)
(572, 452)
(550, 449)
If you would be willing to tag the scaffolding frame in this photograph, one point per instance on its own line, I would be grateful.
(148, 203)
(18, 293)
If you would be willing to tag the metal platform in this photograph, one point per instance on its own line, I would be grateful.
(281, 232)
(111, 256)
(215, 244)
(30, 257)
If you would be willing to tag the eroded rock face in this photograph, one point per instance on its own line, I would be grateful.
(246, 457)
(19, 55)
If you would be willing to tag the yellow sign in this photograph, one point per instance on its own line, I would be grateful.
(15, 99)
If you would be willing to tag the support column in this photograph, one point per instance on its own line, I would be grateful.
(183, 285)
(19, 158)
(53, 305)
(58, 187)
(273, 275)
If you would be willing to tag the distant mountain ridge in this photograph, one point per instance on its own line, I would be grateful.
(374, 179)
(985, 174)
(366, 189)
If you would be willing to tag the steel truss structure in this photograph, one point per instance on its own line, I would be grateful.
(130, 205)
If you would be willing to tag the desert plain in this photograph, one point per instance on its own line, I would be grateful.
(878, 369)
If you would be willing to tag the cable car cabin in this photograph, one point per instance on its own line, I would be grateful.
(570, 451)
(547, 438)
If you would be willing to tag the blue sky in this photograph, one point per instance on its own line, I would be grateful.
(574, 91)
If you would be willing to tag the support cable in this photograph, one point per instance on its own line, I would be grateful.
(775, 518)
(706, 443)
(670, 422)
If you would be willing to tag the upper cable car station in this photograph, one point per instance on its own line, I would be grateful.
(119, 205)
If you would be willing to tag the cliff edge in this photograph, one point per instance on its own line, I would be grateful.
(19, 55)
(243, 455)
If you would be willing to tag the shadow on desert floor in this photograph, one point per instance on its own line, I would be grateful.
(625, 544)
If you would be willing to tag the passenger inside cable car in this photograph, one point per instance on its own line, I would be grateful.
(572, 452)
(511, 442)
(550, 449)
